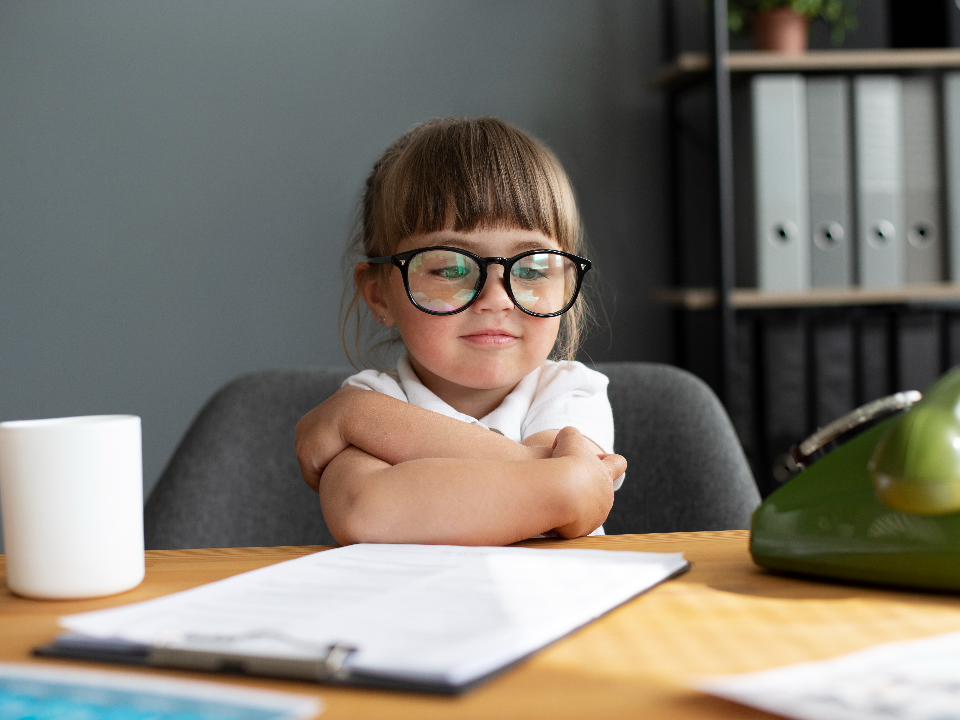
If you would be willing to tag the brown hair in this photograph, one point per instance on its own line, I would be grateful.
(468, 174)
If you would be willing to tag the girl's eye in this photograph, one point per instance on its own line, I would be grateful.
(452, 272)
(527, 274)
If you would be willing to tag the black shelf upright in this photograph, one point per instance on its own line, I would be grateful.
(723, 147)
(723, 113)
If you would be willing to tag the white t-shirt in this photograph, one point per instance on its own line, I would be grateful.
(553, 396)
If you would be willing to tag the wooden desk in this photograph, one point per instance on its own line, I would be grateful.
(724, 615)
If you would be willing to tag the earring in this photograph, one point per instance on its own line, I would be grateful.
(383, 320)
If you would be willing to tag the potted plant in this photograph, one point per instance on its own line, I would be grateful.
(783, 25)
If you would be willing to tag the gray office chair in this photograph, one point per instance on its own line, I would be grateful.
(234, 480)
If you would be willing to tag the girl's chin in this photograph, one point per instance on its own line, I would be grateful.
(483, 381)
(480, 373)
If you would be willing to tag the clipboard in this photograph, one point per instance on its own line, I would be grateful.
(425, 578)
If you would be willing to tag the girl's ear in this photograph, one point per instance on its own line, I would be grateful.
(371, 285)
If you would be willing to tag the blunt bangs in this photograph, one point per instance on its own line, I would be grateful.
(466, 175)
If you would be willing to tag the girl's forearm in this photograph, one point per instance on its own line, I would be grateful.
(393, 431)
(397, 432)
(448, 501)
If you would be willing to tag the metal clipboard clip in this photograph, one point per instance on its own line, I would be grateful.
(331, 666)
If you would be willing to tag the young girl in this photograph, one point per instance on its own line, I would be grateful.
(469, 245)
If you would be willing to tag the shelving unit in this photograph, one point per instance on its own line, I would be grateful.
(734, 330)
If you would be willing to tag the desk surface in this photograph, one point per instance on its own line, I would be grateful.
(724, 615)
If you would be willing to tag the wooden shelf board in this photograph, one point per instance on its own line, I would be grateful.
(691, 67)
(751, 299)
(685, 70)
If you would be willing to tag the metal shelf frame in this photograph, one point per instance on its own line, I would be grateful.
(683, 70)
(894, 338)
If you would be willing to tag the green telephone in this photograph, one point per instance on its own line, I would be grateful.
(878, 497)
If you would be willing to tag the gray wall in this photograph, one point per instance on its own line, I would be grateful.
(177, 179)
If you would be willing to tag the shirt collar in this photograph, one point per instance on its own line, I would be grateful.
(506, 419)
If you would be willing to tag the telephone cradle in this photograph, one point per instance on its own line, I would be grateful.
(881, 506)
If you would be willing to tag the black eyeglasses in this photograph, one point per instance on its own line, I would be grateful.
(447, 280)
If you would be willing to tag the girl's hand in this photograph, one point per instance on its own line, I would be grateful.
(592, 478)
(318, 435)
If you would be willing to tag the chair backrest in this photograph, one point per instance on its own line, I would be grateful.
(686, 470)
(234, 480)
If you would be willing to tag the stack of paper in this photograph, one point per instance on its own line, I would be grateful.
(914, 680)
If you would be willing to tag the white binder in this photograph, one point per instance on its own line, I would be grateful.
(771, 191)
(878, 147)
(831, 215)
(923, 246)
(953, 22)
(951, 137)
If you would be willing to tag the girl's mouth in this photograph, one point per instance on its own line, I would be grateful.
(489, 337)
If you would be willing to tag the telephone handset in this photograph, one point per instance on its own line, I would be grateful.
(845, 428)
(877, 498)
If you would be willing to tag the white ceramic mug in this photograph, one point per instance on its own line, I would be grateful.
(71, 491)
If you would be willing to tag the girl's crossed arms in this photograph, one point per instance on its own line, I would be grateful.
(434, 479)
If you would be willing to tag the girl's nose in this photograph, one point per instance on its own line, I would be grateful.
(494, 295)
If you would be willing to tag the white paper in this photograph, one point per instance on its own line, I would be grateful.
(416, 612)
(31, 691)
(913, 680)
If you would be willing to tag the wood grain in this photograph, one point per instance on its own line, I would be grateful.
(689, 68)
(753, 299)
(724, 615)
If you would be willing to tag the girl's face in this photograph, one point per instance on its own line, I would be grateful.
(487, 348)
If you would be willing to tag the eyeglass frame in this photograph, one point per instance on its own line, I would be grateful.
(402, 261)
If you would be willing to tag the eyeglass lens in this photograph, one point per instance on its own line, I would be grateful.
(445, 281)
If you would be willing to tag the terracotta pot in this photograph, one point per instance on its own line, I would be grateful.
(780, 30)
